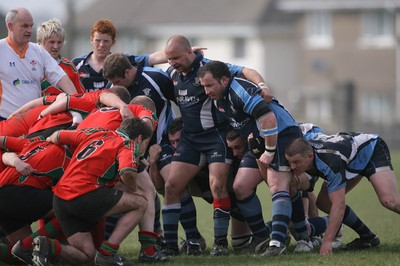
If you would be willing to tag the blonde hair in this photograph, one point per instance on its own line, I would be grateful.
(49, 28)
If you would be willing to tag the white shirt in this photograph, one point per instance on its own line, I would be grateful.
(21, 74)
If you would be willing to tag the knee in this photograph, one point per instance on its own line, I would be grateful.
(391, 203)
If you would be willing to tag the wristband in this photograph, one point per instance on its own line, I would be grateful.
(261, 84)
(271, 154)
(270, 148)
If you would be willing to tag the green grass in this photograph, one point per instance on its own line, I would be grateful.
(362, 199)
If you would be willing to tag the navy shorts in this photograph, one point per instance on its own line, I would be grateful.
(22, 205)
(211, 143)
(279, 163)
(82, 213)
(380, 160)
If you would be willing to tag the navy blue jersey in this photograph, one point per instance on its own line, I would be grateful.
(239, 102)
(92, 80)
(342, 156)
(198, 112)
(157, 85)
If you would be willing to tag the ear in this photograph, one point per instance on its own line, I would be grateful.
(224, 81)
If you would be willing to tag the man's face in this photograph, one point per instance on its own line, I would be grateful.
(174, 138)
(21, 28)
(53, 45)
(238, 147)
(101, 44)
(125, 81)
(300, 163)
(179, 59)
(212, 87)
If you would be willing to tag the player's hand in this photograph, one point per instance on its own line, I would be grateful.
(24, 168)
(199, 49)
(125, 112)
(154, 153)
(266, 93)
(53, 137)
(326, 248)
(266, 159)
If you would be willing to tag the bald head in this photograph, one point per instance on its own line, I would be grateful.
(19, 23)
(178, 41)
(179, 53)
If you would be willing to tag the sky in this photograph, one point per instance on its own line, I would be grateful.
(41, 10)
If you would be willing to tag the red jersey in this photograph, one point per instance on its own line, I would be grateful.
(110, 117)
(19, 125)
(72, 73)
(50, 121)
(49, 161)
(84, 103)
(101, 156)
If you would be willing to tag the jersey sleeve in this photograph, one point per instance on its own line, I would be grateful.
(14, 144)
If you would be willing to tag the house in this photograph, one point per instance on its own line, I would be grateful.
(335, 63)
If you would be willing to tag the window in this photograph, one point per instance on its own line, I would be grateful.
(319, 109)
(377, 29)
(376, 108)
(239, 47)
(319, 30)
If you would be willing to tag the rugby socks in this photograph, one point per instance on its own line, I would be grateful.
(318, 225)
(221, 220)
(98, 232)
(108, 249)
(250, 208)
(157, 216)
(171, 214)
(188, 218)
(148, 240)
(5, 254)
(298, 217)
(51, 230)
(111, 222)
(281, 213)
(351, 220)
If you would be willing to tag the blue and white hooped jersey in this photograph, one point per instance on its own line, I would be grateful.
(310, 130)
(239, 102)
(341, 156)
(198, 112)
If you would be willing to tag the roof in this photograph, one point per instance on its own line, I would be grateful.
(137, 13)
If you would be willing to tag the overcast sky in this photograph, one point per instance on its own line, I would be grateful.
(41, 9)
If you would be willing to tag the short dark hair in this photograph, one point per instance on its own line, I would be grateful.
(298, 146)
(231, 134)
(115, 65)
(217, 69)
(175, 125)
(134, 126)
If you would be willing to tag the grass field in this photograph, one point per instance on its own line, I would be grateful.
(362, 199)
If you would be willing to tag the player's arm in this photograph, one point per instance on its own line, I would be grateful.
(336, 215)
(269, 129)
(66, 85)
(154, 155)
(58, 106)
(255, 77)
(29, 105)
(160, 58)
(12, 159)
(111, 99)
(129, 179)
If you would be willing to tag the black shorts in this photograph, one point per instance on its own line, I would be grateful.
(82, 213)
(211, 143)
(22, 205)
(380, 160)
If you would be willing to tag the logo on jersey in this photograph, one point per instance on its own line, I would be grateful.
(187, 99)
(24, 82)
(196, 82)
(16, 82)
(98, 85)
(216, 154)
(147, 91)
(33, 64)
(12, 64)
(182, 92)
(84, 75)
(238, 125)
(175, 82)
